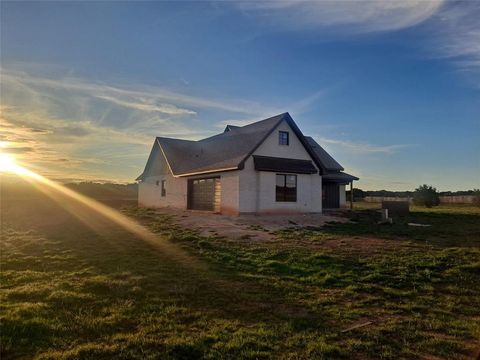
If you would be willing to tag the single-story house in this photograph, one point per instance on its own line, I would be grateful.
(265, 167)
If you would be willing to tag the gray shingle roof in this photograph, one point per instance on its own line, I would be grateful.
(226, 150)
(231, 127)
(230, 149)
(328, 162)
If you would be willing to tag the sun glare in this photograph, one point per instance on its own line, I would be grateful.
(7, 163)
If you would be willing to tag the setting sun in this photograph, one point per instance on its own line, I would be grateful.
(7, 163)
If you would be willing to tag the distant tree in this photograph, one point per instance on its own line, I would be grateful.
(476, 197)
(426, 195)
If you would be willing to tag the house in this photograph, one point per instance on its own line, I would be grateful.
(265, 167)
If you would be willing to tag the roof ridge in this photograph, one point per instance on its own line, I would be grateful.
(176, 139)
(282, 115)
(256, 123)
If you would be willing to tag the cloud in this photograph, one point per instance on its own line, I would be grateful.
(295, 108)
(148, 107)
(351, 16)
(140, 97)
(72, 130)
(454, 34)
(445, 29)
(94, 130)
(364, 148)
(17, 150)
(81, 128)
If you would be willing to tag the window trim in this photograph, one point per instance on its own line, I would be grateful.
(284, 198)
(164, 188)
(281, 139)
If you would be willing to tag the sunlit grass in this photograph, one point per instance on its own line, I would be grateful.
(88, 209)
(73, 291)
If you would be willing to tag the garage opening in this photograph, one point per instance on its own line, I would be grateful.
(204, 194)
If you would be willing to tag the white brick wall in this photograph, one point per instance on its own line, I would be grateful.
(257, 188)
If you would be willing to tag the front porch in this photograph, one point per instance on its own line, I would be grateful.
(334, 190)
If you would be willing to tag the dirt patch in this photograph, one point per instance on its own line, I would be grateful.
(245, 227)
(263, 228)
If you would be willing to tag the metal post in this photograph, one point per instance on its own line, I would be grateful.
(351, 195)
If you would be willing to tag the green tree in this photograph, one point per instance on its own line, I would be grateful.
(426, 195)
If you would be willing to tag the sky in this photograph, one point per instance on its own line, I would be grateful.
(390, 89)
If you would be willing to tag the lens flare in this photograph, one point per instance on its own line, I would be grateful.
(8, 165)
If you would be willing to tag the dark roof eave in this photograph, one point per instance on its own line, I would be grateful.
(340, 177)
(283, 165)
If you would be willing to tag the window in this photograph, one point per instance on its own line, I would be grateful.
(164, 189)
(286, 188)
(283, 137)
(157, 182)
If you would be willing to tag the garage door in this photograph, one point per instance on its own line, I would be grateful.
(204, 194)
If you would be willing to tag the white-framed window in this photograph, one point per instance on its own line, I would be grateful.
(283, 138)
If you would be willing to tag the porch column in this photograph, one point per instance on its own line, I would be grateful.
(351, 195)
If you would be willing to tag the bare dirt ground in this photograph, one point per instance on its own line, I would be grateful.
(262, 228)
(244, 227)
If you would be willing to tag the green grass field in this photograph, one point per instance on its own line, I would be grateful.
(76, 286)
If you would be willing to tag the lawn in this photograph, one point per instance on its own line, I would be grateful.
(74, 285)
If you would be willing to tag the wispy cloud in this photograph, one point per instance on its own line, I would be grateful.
(140, 97)
(352, 16)
(144, 105)
(363, 148)
(454, 33)
(69, 125)
(449, 29)
(296, 108)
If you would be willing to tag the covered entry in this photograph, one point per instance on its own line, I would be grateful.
(331, 187)
(330, 195)
(204, 194)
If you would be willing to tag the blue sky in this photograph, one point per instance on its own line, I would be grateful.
(390, 89)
